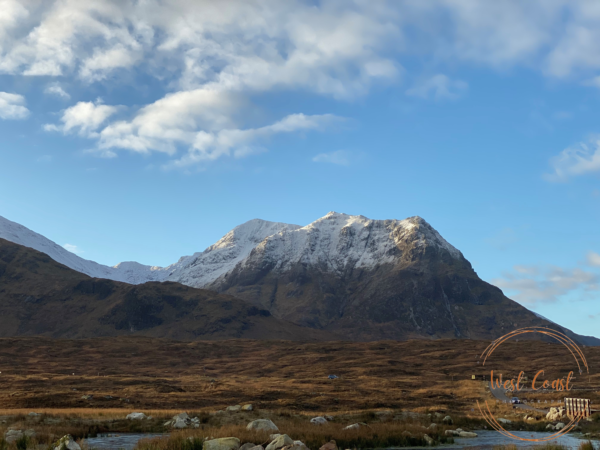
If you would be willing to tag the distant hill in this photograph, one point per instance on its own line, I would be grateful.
(39, 296)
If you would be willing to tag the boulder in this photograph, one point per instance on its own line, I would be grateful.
(247, 407)
(247, 446)
(235, 408)
(66, 443)
(331, 445)
(504, 421)
(447, 420)
(136, 416)
(559, 426)
(272, 437)
(428, 439)
(467, 434)
(283, 440)
(318, 420)
(550, 427)
(294, 446)
(451, 433)
(262, 424)
(258, 447)
(228, 443)
(433, 426)
(13, 435)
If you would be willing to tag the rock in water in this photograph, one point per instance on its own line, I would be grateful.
(280, 441)
(262, 424)
(467, 434)
(228, 443)
(66, 442)
(136, 416)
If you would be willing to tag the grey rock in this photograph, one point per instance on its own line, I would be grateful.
(247, 446)
(247, 407)
(235, 408)
(280, 442)
(447, 420)
(428, 439)
(262, 424)
(136, 416)
(467, 434)
(318, 420)
(66, 442)
(559, 426)
(228, 443)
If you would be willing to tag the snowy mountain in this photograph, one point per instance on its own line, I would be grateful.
(196, 270)
(333, 242)
(357, 278)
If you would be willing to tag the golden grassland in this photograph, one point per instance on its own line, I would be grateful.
(285, 381)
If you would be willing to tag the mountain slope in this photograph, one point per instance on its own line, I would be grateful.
(196, 270)
(362, 279)
(368, 280)
(39, 296)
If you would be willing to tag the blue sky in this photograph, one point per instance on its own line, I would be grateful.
(146, 130)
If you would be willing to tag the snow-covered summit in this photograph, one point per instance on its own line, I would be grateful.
(202, 268)
(334, 242)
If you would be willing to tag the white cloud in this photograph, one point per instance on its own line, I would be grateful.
(103, 62)
(240, 143)
(581, 159)
(222, 54)
(440, 87)
(73, 249)
(56, 89)
(84, 118)
(12, 106)
(593, 259)
(546, 284)
(339, 157)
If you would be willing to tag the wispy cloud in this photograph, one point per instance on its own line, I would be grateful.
(339, 157)
(438, 87)
(593, 259)
(57, 90)
(12, 106)
(546, 284)
(73, 249)
(581, 159)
